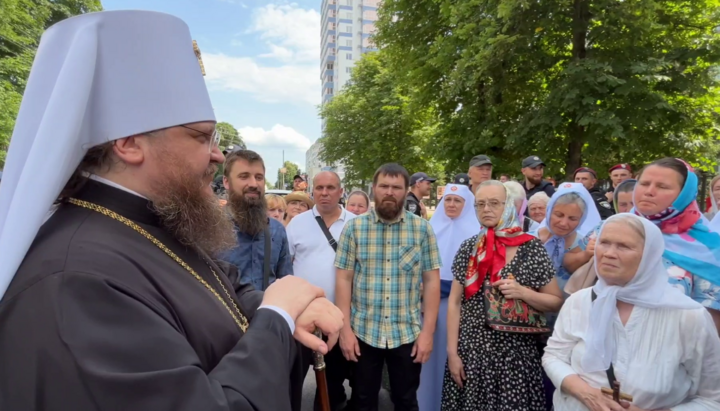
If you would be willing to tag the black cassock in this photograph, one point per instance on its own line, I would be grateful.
(99, 318)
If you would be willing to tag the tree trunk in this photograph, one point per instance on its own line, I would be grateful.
(576, 132)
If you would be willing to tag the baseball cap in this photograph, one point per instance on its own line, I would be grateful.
(623, 166)
(480, 160)
(585, 170)
(299, 176)
(462, 178)
(532, 162)
(418, 177)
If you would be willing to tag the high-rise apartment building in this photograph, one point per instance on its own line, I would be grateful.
(345, 35)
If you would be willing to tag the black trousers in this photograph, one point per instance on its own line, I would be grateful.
(403, 372)
(337, 370)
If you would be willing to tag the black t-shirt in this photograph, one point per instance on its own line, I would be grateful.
(603, 206)
(412, 204)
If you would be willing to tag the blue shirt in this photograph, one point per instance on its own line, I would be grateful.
(249, 256)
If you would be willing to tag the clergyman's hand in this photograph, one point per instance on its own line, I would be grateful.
(292, 294)
(321, 314)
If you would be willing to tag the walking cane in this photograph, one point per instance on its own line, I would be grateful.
(319, 367)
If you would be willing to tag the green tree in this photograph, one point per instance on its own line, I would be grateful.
(590, 82)
(373, 121)
(229, 135)
(291, 169)
(21, 25)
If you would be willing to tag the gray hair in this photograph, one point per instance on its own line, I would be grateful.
(631, 221)
(572, 198)
(491, 183)
(539, 197)
(515, 191)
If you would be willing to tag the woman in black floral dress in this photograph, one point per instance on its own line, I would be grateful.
(491, 370)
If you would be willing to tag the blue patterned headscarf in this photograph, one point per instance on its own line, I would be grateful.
(689, 243)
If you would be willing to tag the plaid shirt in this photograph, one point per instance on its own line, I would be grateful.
(388, 260)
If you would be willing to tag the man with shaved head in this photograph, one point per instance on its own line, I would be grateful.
(312, 239)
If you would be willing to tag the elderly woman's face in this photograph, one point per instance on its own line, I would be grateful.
(565, 218)
(537, 211)
(618, 251)
(296, 207)
(453, 205)
(490, 204)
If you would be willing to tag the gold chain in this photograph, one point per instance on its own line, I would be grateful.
(240, 319)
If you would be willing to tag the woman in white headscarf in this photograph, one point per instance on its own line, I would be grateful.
(453, 222)
(571, 213)
(662, 346)
(519, 197)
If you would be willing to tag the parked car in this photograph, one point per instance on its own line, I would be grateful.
(281, 193)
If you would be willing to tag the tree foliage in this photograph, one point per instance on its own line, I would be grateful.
(373, 121)
(229, 135)
(21, 25)
(291, 170)
(582, 82)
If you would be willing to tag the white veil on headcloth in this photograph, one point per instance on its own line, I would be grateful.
(591, 216)
(450, 233)
(649, 288)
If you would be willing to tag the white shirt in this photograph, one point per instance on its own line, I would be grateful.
(665, 358)
(313, 257)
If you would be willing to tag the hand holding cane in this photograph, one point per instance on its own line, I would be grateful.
(319, 367)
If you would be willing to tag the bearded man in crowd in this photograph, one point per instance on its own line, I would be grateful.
(261, 253)
(382, 258)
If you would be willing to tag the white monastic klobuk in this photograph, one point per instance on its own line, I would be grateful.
(86, 88)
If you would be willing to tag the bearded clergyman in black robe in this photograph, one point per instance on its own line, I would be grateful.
(108, 231)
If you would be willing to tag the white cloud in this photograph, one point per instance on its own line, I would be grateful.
(295, 83)
(291, 32)
(277, 136)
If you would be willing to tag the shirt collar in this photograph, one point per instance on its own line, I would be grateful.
(113, 184)
(342, 217)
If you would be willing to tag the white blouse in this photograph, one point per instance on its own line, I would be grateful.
(665, 358)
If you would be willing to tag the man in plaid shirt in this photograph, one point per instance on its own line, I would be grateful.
(382, 258)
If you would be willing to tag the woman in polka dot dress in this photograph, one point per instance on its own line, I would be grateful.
(490, 370)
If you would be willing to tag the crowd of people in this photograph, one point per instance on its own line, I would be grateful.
(126, 284)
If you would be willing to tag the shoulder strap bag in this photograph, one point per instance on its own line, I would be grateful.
(326, 231)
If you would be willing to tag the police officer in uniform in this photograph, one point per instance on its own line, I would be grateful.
(420, 185)
(462, 179)
(588, 178)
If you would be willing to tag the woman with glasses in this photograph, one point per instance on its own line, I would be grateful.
(491, 370)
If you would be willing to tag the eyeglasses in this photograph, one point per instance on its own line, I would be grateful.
(214, 138)
(493, 204)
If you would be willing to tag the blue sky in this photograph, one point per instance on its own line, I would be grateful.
(262, 61)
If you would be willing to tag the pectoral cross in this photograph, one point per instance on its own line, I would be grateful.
(196, 49)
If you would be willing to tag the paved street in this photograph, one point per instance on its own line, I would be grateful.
(309, 394)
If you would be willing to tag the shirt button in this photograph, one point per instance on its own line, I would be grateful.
(388, 279)
(386, 317)
(387, 298)
(388, 260)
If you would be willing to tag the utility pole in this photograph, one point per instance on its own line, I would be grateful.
(283, 171)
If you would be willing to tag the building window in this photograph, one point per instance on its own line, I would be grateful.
(348, 29)
(348, 56)
(329, 79)
(329, 66)
(348, 69)
(348, 43)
